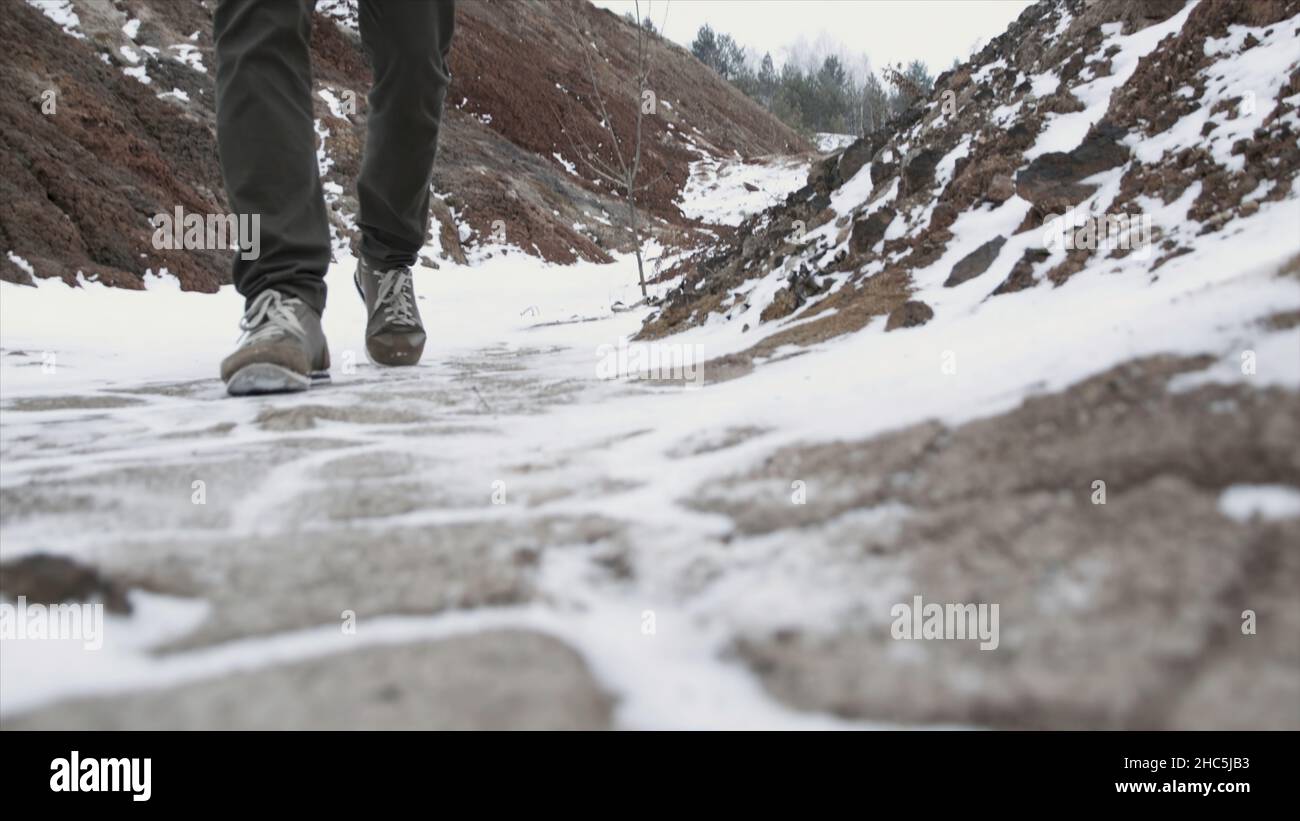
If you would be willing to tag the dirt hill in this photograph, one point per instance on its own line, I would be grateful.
(131, 132)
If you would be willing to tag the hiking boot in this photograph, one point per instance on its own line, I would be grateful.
(282, 350)
(394, 333)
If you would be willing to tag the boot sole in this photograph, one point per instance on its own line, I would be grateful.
(396, 359)
(262, 377)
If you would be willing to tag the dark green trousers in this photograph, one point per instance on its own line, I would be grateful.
(267, 141)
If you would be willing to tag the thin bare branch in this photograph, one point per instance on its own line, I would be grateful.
(584, 153)
(606, 120)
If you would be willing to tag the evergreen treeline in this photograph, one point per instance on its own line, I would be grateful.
(828, 97)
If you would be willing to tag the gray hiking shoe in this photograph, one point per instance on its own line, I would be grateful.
(283, 348)
(394, 333)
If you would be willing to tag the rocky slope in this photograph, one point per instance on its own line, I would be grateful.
(1185, 114)
(131, 133)
(920, 286)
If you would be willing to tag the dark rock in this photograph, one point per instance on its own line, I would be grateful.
(976, 262)
(943, 216)
(869, 231)
(46, 579)
(1001, 188)
(1022, 273)
(1052, 181)
(881, 171)
(1020, 133)
(854, 157)
(919, 171)
(959, 166)
(1062, 102)
(822, 176)
(800, 287)
(910, 314)
(783, 304)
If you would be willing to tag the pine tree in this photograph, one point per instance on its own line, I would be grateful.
(705, 46)
(767, 80)
(831, 97)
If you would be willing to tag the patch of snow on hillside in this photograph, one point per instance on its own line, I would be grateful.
(344, 12)
(22, 263)
(140, 73)
(332, 102)
(62, 13)
(1244, 502)
(828, 142)
(568, 166)
(190, 56)
(727, 191)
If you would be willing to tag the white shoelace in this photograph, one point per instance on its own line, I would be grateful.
(396, 296)
(270, 315)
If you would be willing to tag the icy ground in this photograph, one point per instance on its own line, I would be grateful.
(517, 535)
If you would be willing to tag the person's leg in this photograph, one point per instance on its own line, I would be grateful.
(408, 44)
(267, 144)
(267, 147)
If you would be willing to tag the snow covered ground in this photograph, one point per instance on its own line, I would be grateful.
(512, 423)
(610, 436)
(65, 342)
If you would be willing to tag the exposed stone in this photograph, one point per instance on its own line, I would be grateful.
(783, 304)
(854, 157)
(867, 232)
(975, 263)
(1000, 189)
(1052, 182)
(46, 579)
(911, 314)
(919, 171)
(882, 171)
(1062, 103)
(943, 217)
(1022, 273)
(800, 288)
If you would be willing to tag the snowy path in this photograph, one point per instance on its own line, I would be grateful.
(393, 495)
(521, 541)
(479, 495)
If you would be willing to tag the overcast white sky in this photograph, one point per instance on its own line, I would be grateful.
(888, 31)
